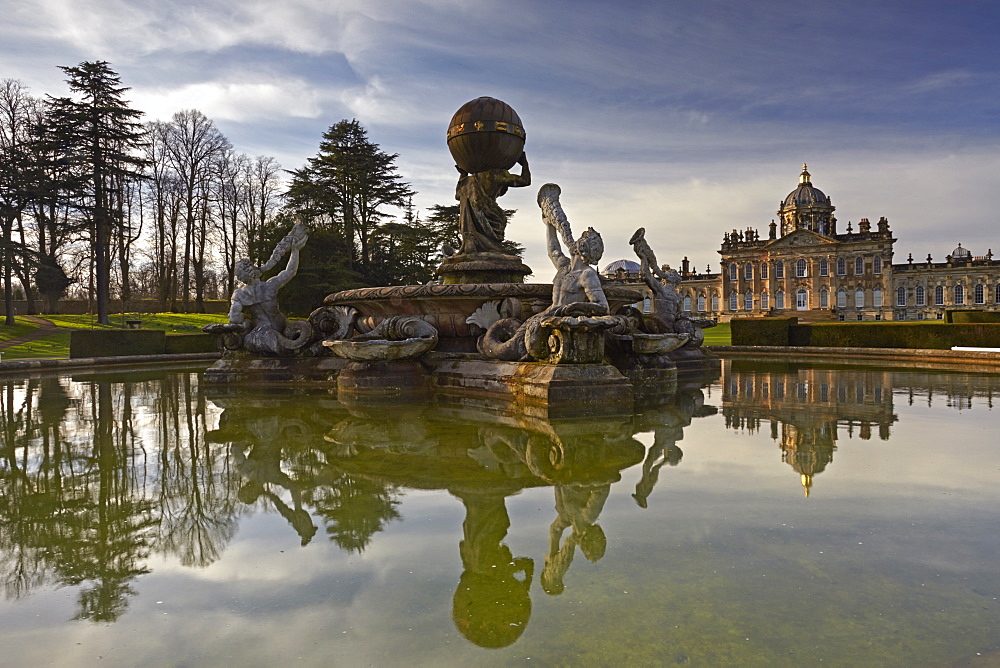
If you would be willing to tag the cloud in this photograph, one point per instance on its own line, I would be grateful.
(234, 101)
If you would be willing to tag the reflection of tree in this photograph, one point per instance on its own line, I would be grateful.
(492, 605)
(76, 486)
(197, 506)
(355, 509)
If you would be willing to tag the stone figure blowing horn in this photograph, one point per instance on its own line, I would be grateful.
(552, 212)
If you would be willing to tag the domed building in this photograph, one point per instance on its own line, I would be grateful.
(805, 267)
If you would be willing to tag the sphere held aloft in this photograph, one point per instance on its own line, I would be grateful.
(485, 133)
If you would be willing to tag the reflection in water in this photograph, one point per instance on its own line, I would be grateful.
(102, 474)
(84, 501)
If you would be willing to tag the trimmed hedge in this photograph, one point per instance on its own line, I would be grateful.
(932, 335)
(177, 344)
(116, 342)
(941, 336)
(761, 331)
(972, 316)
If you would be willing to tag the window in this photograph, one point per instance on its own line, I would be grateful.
(715, 302)
(877, 298)
(687, 302)
(779, 300)
(841, 267)
(701, 303)
(959, 294)
(980, 294)
(996, 294)
(900, 296)
(646, 305)
(920, 315)
(841, 298)
(733, 299)
(824, 267)
(763, 269)
(801, 300)
(732, 272)
(824, 298)
(800, 268)
(859, 298)
(748, 301)
(779, 269)
(920, 296)
(939, 295)
(877, 265)
(859, 266)
(763, 301)
(748, 271)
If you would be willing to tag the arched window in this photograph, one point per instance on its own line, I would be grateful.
(733, 299)
(748, 271)
(763, 269)
(939, 295)
(779, 300)
(859, 266)
(920, 296)
(701, 303)
(824, 267)
(877, 298)
(763, 301)
(842, 298)
(877, 265)
(800, 269)
(647, 305)
(801, 300)
(959, 294)
(687, 302)
(715, 302)
(859, 298)
(900, 296)
(980, 294)
(841, 266)
(748, 301)
(732, 271)
(824, 298)
(779, 269)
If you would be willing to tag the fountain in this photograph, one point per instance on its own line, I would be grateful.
(480, 336)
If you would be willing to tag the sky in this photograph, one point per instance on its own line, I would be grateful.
(686, 117)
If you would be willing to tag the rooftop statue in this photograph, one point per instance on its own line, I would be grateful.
(256, 323)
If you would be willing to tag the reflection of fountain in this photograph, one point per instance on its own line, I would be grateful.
(539, 348)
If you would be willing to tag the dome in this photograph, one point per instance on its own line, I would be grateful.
(629, 266)
(806, 194)
(961, 252)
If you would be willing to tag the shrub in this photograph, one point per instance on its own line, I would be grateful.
(116, 342)
(178, 344)
(761, 331)
(940, 336)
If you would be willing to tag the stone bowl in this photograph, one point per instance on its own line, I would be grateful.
(381, 350)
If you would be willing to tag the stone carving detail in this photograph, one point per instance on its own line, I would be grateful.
(666, 305)
(482, 221)
(396, 338)
(256, 323)
(571, 330)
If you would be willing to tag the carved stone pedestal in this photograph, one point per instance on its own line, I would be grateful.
(482, 268)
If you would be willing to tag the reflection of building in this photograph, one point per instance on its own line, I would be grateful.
(805, 408)
(805, 266)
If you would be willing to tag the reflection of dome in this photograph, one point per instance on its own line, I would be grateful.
(806, 194)
(629, 266)
(960, 253)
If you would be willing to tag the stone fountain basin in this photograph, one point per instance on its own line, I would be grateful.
(380, 350)
(447, 306)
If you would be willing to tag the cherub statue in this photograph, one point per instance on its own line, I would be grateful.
(254, 311)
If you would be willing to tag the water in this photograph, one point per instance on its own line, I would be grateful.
(785, 514)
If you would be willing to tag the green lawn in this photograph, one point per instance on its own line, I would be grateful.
(718, 335)
(57, 344)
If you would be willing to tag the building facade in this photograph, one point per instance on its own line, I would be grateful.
(805, 266)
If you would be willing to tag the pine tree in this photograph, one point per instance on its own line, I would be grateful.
(101, 136)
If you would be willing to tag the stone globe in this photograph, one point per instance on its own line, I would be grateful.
(485, 133)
